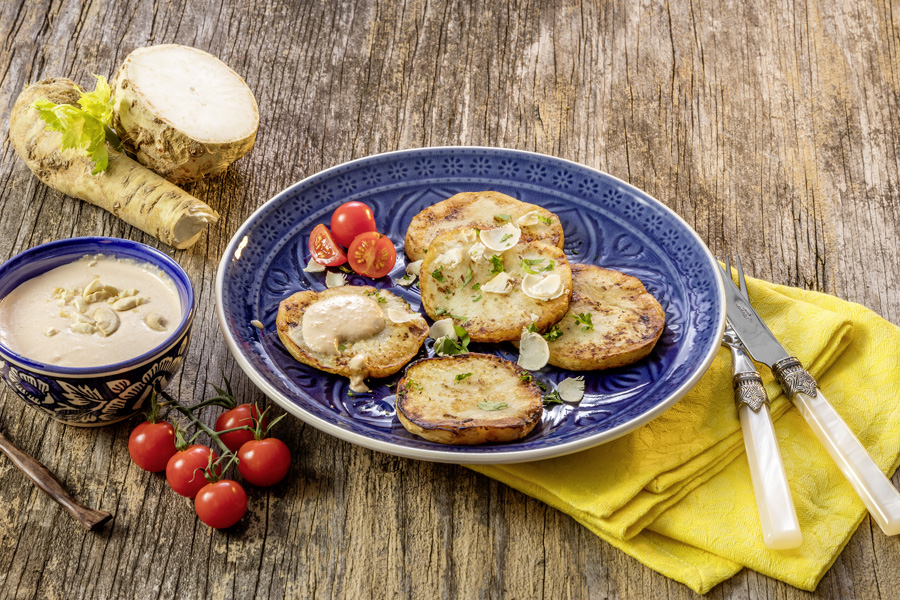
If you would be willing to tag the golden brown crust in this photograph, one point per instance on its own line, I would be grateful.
(432, 403)
(476, 209)
(627, 321)
(386, 353)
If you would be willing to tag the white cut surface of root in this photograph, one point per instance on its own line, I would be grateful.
(127, 189)
(183, 112)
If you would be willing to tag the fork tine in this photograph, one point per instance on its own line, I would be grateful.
(728, 266)
(741, 280)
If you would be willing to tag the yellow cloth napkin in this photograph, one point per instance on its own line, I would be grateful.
(676, 493)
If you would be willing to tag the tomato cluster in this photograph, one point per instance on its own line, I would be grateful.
(369, 253)
(195, 470)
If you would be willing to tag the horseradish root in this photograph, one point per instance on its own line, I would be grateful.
(182, 112)
(128, 190)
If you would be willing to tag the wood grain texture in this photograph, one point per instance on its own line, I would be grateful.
(771, 127)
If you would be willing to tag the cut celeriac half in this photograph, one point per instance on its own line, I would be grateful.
(182, 112)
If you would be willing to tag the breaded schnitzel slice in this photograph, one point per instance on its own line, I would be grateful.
(483, 210)
(612, 321)
(468, 399)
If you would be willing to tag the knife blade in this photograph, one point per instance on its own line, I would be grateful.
(878, 494)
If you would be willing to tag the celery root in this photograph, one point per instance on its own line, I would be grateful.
(182, 112)
(130, 191)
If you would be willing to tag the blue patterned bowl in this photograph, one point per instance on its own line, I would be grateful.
(93, 396)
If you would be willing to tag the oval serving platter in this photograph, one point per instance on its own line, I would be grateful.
(607, 222)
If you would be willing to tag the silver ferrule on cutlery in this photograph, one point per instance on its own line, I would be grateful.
(777, 516)
(873, 487)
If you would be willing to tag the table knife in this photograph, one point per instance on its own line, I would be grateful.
(777, 516)
(877, 492)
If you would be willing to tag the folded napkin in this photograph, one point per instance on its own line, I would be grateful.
(676, 493)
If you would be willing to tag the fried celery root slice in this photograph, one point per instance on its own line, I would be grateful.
(482, 210)
(612, 321)
(468, 399)
(183, 112)
(127, 189)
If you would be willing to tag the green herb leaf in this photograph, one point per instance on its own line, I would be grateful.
(552, 398)
(443, 312)
(342, 347)
(505, 237)
(532, 328)
(447, 346)
(476, 297)
(476, 287)
(462, 376)
(438, 274)
(527, 263)
(411, 384)
(545, 220)
(492, 405)
(496, 265)
(526, 377)
(503, 218)
(554, 334)
(468, 277)
(584, 319)
(84, 128)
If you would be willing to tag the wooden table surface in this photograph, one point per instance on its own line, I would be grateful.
(772, 128)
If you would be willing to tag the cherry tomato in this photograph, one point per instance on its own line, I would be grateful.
(151, 445)
(324, 249)
(351, 219)
(372, 254)
(185, 469)
(264, 462)
(244, 414)
(221, 504)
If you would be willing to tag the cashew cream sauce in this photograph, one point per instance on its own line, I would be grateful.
(95, 311)
(332, 321)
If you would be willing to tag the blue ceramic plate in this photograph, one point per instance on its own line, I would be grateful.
(606, 222)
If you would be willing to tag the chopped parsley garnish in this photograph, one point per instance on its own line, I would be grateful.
(541, 385)
(376, 296)
(476, 287)
(462, 376)
(544, 220)
(552, 398)
(496, 265)
(438, 274)
(412, 384)
(584, 319)
(503, 218)
(554, 334)
(532, 328)
(442, 312)
(342, 347)
(345, 269)
(492, 405)
(447, 346)
(476, 297)
(528, 263)
(505, 237)
(526, 377)
(468, 277)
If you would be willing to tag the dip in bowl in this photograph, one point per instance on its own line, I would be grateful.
(89, 327)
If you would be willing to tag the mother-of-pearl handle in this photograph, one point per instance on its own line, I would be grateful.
(876, 491)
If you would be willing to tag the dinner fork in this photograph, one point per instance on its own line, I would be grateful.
(777, 516)
(876, 491)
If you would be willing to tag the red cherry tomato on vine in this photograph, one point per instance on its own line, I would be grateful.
(185, 469)
(324, 249)
(151, 445)
(243, 414)
(372, 254)
(221, 504)
(351, 219)
(264, 462)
